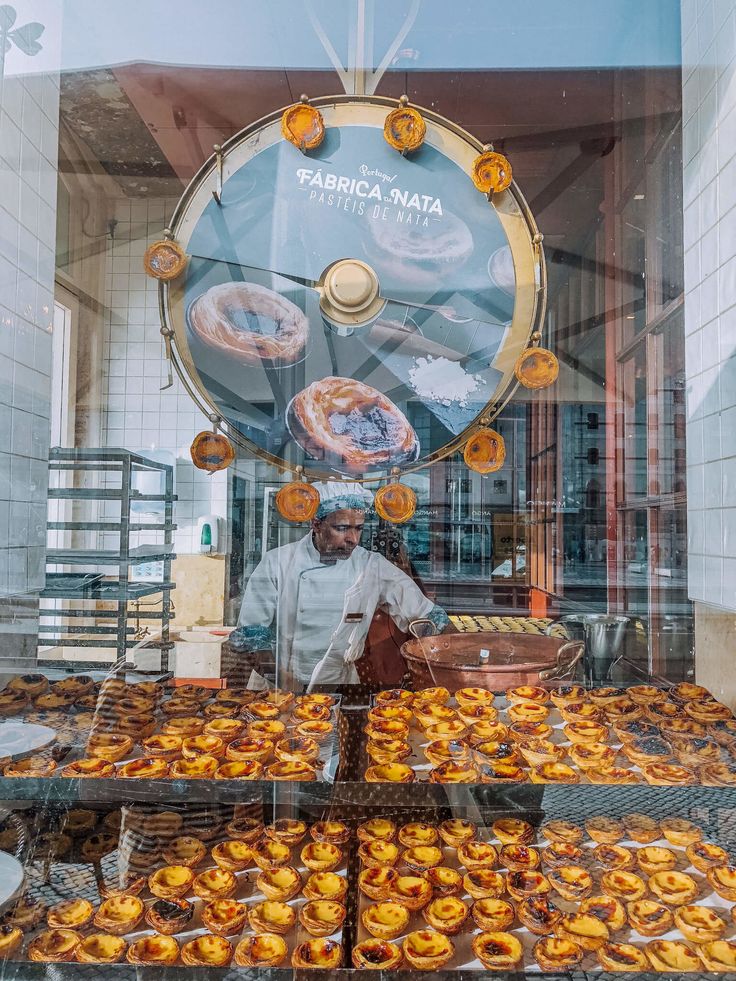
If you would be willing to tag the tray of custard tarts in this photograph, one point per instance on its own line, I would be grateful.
(156, 732)
(626, 894)
(265, 896)
(673, 737)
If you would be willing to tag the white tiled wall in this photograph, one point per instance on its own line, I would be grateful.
(29, 109)
(138, 415)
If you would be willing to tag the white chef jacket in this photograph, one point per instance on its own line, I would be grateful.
(320, 614)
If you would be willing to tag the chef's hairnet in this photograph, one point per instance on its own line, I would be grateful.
(337, 495)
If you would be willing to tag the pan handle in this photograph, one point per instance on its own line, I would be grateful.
(565, 661)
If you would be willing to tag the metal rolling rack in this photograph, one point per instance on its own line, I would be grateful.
(119, 591)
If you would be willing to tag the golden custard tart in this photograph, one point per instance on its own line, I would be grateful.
(225, 729)
(538, 914)
(493, 914)
(390, 773)
(584, 929)
(457, 831)
(562, 831)
(608, 909)
(513, 831)
(523, 884)
(447, 750)
(718, 774)
(723, 881)
(622, 957)
(279, 884)
(519, 858)
(497, 950)
(474, 696)
(385, 920)
(718, 955)
(119, 914)
(214, 884)
(184, 726)
(240, 770)
(284, 699)
(624, 885)
(376, 882)
(198, 768)
(225, 917)
(614, 856)
(310, 712)
(169, 916)
(537, 751)
(291, 770)
(470, 714)
(378, 853)
(580, 712)
(522, 731)
(270, 854)
(184, 850)
(554, 773)
(484, 883)
(627, 732)
(527, 693)
(146, 768)
(333, 831)
(321, 856)
(70, 914)
(31, 766)
(31, 685)
(674, 888)
(26, 914)
(699, 924)
(109, 746)
(319, 953)
(289, 831)
(447, 914)
(493, 751)
(641, 828)
(422, 858)
(427, 950)
(481, 732)
(501, 773)
(593, 756)
(672, 956)
(387, 729)
(376, 955)
(262, 709)
(439, 695)
(245, 829)
(12, 702)
(447, 730)
(622, 710)
(195, 746)
(233, 855)
(297, 749)
(54, 945)
(271, 729)
(263, 950)
(651, 749)
(527, 712)
(171, 882)
(703, 855)
(613, 775)
(686, 691)
(445, 881)
(86, 768)
(555, 954)
(706, 711)
(603, 696)
(96, 846)
(326, 885)
(410, 891)
(207, 950)
(559, 853)
(477, 854)
(644, 694)
(418, 833)
(655, 858)
(271, 916)
(10, 940)
(568, 693)
(162, 747)
(572, 882)
(382, 712)
(430, 713)
(680, 831)
(154, 950)
(100, 948)
(400, 695)
(388, 750)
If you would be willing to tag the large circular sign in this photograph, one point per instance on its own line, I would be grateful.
(351, 310)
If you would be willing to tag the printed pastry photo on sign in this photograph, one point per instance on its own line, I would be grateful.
(336, 303)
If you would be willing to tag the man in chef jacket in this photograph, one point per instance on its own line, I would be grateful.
(312, 602)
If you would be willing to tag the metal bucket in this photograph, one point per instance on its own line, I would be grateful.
(455, 660)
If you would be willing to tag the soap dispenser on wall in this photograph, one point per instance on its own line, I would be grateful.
(208, 534)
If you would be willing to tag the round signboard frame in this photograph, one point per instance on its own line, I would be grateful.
(514, 214)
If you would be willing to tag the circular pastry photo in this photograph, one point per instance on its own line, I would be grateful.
(351, 426)
(250, 324)
(407, 253)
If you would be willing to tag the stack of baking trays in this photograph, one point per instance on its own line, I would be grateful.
(674, 737)
(152, 731)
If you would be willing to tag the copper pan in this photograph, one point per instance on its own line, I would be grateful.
(454, 660)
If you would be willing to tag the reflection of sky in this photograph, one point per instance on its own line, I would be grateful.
(466, 34)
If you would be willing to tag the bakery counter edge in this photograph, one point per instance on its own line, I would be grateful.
(374, 795)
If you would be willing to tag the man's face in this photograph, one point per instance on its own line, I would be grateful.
(336, 535)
